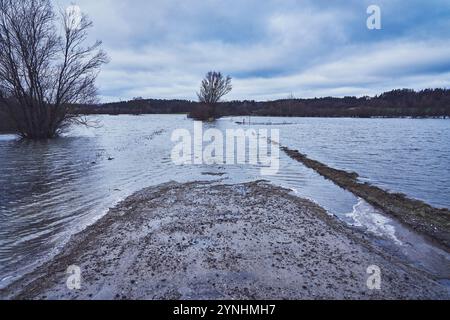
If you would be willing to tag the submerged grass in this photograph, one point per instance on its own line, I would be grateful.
(420, 216)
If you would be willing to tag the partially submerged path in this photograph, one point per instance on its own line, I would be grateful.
(421, 217)
(208, 241)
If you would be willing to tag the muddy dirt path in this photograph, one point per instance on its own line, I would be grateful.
(210, 241)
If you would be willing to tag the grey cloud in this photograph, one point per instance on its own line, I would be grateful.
(161, 49)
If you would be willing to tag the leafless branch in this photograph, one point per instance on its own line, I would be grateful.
(43, 74)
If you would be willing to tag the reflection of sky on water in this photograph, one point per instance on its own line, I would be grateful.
(50, 190)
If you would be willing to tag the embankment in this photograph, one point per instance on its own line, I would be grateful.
(203, 240)
(423, 218)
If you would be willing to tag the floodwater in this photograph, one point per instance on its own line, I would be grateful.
(51, 190)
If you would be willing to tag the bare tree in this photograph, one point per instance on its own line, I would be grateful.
(45, 68)
(214, 87)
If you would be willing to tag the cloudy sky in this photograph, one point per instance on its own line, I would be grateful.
(271, 48)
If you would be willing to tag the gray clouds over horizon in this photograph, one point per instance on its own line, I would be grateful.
(162, 49)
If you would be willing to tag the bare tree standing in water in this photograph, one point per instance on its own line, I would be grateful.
(214, 87)
(44, 74)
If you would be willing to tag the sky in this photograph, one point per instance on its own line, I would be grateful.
(272, 49)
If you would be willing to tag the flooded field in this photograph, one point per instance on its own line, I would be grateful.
(52, 190)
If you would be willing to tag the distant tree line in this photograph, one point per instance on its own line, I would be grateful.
(397, 103)
(140, 106)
